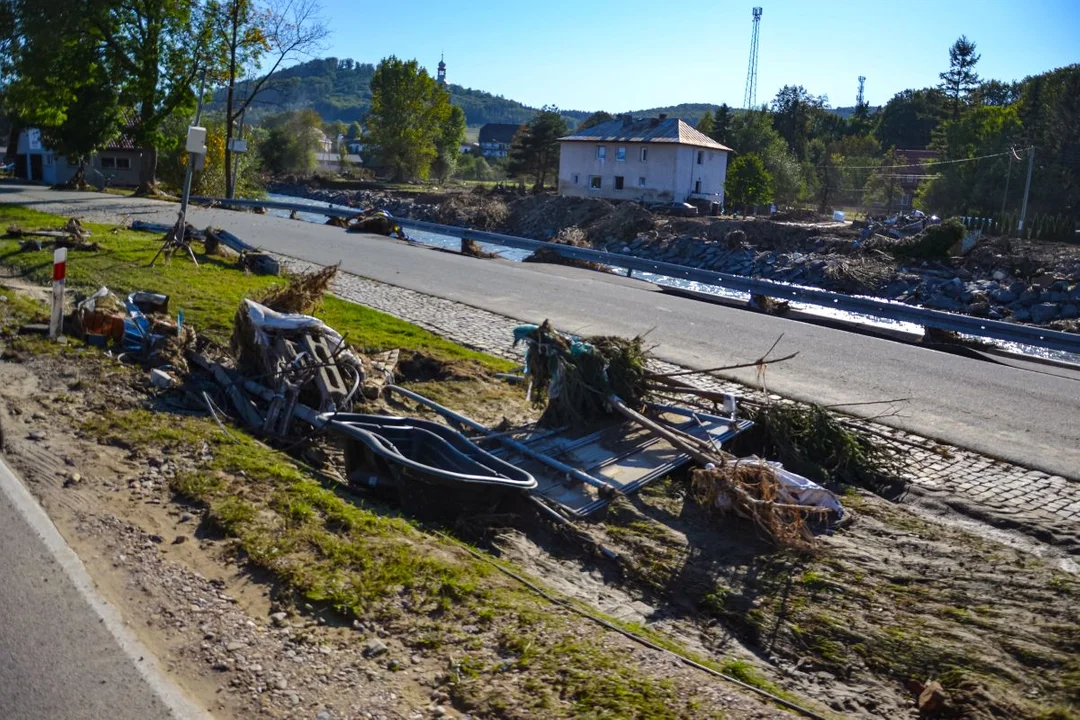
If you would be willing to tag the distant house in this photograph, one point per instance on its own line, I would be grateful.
(495, 139)
(912, 173)
(119, 164)
(326, 143)
(332, 162)
(653, 159)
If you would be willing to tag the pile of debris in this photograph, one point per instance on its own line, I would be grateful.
(72, 235)
(142, 327)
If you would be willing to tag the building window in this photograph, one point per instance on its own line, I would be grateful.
(641, 182)
(575, 179)
(700, 156)
(697, 186)
(108, 162)
(644, 154)
(123, 163)
(618, 182)
(620, 155)
(594, 182)
(601, 152)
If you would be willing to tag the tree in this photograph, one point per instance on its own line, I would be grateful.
(958, 188)
(883, 187)
(354, 132)
(960, 79)
(909, 119)
(722, 124)
(752, 132)
(597, 118)
(408, 110)
(448, 143)
(793, 111)
(292, 139)
(997, 93)
(60, 84)
(748, 182)
(827, 172)
(245, 35)
(535, 148)
(705, 124)
(155, 51)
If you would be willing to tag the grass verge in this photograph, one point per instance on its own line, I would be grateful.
(210, 293)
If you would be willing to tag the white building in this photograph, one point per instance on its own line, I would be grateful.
(656, 160)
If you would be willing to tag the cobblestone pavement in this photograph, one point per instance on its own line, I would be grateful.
(1027, 497)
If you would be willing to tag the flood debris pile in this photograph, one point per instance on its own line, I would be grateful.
(140, 325)
(574, 377)
(815, 442)
(73, 235)
(909, 258)
(300, 358)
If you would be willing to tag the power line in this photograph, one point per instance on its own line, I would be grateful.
(915, 165)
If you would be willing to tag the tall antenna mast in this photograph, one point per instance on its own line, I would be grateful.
(859, 97)
(750, 100)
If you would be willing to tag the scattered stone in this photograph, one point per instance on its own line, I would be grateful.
(160, 379)
(375, 647)
(179, 540)
(234, 646)
(36, 435)
(73, 478)
(1044, 312)
(220, 666)
(932, 700)
(281, 683)
(279, 618)
(186, 517)
(157, 539)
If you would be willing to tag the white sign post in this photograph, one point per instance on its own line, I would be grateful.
(56, 320)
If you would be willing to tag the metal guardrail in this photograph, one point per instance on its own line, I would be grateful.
(873, 307)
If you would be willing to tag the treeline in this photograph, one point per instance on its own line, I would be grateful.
(341, 90)
(89, 71)
(983, 131)
(796, 149)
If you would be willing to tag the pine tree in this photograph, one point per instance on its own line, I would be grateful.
(960, 79)
(705, 124)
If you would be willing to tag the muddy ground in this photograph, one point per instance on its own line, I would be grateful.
(894, 595)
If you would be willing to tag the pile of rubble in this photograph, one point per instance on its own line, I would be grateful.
(897, 257)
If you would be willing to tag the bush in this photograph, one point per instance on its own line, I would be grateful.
(934, 243)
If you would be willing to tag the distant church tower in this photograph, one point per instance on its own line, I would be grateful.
(441, 78)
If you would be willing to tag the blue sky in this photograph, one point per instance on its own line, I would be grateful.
(634, 54)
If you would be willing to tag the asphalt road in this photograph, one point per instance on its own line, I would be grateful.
(59, 656)
(1026, 415)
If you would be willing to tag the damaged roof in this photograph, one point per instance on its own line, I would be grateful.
(652, 130)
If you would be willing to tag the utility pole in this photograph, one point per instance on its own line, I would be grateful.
(1027, 188)
(231, 190)
(1005, 197)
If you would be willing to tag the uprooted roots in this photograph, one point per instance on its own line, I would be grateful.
(303, 294)
(752, 490)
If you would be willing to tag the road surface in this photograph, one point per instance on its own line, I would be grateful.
(63, 653)
(1026, 415)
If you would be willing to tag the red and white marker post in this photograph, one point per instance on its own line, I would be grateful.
(59, 272)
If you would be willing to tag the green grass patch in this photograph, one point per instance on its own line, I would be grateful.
(208, 294)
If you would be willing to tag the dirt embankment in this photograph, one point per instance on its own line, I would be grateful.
(1023, 281)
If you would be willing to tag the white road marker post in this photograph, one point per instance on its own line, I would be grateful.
(56, 320)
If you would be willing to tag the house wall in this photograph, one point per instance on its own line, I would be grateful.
(56, 169)
(97, 173)
(670, 171)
